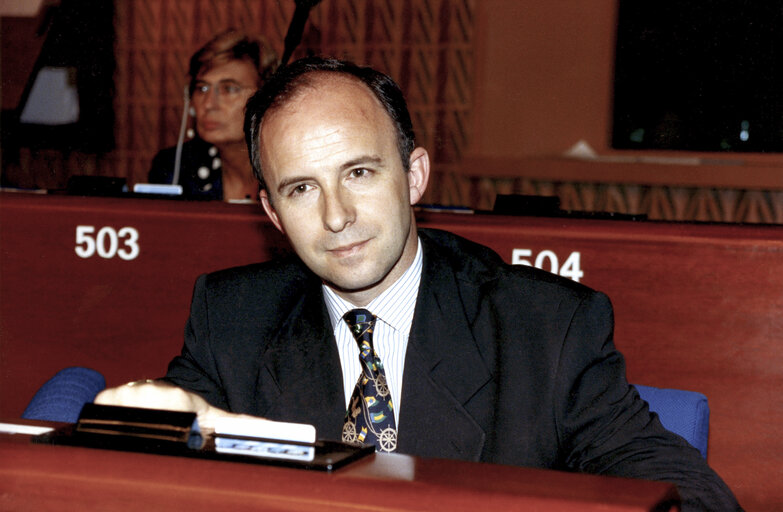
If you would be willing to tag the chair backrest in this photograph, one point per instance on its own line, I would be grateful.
(686, 413)
(62, 397)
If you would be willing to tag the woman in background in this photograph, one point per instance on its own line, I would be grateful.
(214, 164)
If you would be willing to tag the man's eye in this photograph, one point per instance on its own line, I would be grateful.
(300, 189)
(358, 173)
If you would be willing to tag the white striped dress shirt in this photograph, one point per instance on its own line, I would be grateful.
(394, 311)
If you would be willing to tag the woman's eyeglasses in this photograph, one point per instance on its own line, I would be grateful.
(225, 89)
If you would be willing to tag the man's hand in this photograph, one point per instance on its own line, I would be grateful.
(156, 394)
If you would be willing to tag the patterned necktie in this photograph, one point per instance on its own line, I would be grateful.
(370, 415)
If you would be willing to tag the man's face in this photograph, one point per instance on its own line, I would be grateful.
(337, 188)
(219, 100)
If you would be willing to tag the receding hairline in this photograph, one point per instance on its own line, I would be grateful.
(311, 81)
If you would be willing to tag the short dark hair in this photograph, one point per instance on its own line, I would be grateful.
(290, 79)
(232, 44)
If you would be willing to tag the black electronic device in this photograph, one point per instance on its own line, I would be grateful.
(177, 433)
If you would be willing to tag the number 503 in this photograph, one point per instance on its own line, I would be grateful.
(548, 260)
(106, 242)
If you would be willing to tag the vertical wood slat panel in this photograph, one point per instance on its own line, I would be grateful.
(426, 45)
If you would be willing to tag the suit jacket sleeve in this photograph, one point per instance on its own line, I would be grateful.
(608, 429)
(195, 369)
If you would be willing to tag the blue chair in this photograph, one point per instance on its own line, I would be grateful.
(62, 397)
(686, 413)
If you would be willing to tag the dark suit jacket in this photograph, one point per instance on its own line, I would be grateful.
(505, 364)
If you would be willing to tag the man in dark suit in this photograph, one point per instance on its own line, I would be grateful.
(475, 359)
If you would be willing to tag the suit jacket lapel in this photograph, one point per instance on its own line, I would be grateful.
(443, 371)
(304, 364)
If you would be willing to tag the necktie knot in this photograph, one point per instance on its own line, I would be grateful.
(361, 323)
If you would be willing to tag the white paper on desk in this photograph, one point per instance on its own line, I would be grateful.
(265, 429)
(33, 430)
(263, 438)
(270, 449)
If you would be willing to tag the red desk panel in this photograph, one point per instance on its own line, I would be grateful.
(54, 478)
(697, 307)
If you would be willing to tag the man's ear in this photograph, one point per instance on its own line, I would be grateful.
(270, 210)
(419, 174)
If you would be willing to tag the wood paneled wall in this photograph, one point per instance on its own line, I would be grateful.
(425, 45)
(509, 80)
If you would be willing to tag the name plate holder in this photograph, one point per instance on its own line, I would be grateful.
(177, 433)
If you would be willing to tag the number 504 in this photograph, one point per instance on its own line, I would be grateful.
(548, 260)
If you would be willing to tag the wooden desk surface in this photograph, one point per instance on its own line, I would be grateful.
(697, 307)
(44, 477)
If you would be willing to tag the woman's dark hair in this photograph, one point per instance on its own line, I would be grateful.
(290, 79)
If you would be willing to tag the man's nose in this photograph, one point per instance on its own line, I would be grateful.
(338, 210)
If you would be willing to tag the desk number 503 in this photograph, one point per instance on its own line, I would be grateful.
(107, 242)
(548, 260)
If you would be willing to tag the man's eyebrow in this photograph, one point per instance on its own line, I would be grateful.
(289, 181)
(364, 159)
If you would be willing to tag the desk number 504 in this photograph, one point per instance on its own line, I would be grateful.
(548, 260)
(107, 242)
